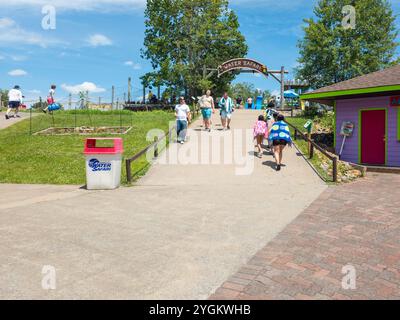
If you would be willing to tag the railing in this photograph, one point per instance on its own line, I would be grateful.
(313, 146)
(154, 145)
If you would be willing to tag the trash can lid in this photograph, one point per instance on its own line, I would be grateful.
(92, 147)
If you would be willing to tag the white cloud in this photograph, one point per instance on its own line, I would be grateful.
(85, 86)
(135, 66)
(12, 33)
(98, 40)
(34, 91)
(17, 73)
(19, 58)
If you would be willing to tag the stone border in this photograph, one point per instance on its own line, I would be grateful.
(46, 132)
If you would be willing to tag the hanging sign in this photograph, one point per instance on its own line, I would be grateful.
(242, 63)
(395, 101)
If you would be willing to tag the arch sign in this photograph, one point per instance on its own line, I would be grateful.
(242, 63)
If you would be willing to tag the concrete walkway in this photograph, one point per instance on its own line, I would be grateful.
(8, 123)
(179, 234)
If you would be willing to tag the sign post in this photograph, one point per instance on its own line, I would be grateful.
(309, 127)
(346, 131)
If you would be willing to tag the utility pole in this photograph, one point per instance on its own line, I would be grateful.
(87, 100)
(70, 101)
(282, 87)
(112, 97)
(124, 97)
(144, 94)
(99, 102)
(129, 89)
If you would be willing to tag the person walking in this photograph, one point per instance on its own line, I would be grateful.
(51, 98)
(280, 137)
(182, 113)
(260, 133)
(227, 108)
(14, 102)
(250, 103)
(207, 106)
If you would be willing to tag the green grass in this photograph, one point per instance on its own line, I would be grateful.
(34, 159)
(318, 158)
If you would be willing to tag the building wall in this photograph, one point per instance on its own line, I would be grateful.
(348, 110)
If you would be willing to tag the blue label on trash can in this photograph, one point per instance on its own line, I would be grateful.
(96, 165)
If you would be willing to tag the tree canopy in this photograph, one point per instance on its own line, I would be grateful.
(246, 90)
(330, 52)
(184, 36)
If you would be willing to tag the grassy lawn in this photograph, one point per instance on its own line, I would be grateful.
(318, 159)
(34, 159)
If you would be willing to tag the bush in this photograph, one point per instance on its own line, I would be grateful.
(327, 120)
(310, 112)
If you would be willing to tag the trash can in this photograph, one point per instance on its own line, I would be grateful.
(103, 163)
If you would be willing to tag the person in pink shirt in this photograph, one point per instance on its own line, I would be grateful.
(260, 132)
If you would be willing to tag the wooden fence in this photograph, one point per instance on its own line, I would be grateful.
(154, 145)
(313, 146)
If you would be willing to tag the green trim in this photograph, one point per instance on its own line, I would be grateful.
(335, 125)
(341, 93)
(386, 133)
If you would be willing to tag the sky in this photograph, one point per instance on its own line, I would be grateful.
(96, 43)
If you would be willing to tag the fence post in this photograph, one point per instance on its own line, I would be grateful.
(335, 169)
(156, 147)
(30, 121)
(128, 171)
(311, 151)
(295, 134)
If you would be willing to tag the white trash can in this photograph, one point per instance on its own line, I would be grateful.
(103, 163)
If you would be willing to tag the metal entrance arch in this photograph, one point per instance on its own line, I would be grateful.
(245, 65)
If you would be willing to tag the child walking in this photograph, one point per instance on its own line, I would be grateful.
(50, 98)
(260, 132)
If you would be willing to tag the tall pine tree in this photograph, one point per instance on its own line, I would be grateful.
(331, 53)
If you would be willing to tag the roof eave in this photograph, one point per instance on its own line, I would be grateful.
(332, 95)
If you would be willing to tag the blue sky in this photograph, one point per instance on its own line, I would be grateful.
(96, 43)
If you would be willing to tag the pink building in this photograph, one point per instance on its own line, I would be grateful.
(371, 103)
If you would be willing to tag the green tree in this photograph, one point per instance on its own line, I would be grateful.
(246, 90)
(184, 36)
(4, 98)
(331, 53)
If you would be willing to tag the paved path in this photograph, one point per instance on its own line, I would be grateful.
(356, 224)
(7, 123)
(180, 233)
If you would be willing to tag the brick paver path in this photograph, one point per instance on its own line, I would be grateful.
(356, 224)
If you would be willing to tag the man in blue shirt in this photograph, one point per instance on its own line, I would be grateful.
(227, 108)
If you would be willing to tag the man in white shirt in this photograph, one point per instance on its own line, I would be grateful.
(14, 101)
(182, 112)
